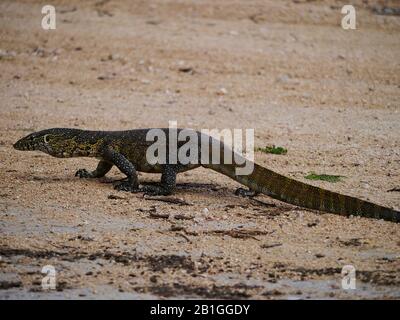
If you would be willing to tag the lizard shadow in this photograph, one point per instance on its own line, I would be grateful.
(205, 191)
(188, 186)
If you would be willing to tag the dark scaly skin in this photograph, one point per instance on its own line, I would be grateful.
(127, 151)
(124, 149)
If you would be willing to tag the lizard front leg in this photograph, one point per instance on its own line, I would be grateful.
(167, 185)
(102, 168)
(126, 167)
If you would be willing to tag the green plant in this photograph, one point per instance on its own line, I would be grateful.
(272, 149)
(324, 177)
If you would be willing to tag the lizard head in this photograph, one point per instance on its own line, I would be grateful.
(57, 142)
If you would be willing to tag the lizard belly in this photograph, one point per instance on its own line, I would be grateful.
(157, 168)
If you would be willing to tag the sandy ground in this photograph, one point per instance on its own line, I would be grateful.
(285, 68)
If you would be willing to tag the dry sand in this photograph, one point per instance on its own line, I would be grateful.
(285, 68)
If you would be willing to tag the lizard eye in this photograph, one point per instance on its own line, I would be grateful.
(46, 138)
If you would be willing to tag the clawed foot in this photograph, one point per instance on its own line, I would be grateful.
(148, 190)
(83, 173)
(245, 192)
(127, 186)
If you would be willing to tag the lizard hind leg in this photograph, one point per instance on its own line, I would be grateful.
(102, 168)
(126, 167)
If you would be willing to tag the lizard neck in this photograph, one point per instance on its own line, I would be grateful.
(77, 143)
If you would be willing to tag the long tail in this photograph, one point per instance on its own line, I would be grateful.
(304, 195)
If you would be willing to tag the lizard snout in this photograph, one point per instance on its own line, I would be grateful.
(17, 145)
(21, 145)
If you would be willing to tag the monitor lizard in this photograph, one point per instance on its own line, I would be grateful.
(127, 151)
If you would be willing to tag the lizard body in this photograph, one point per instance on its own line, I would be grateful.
(127, 151)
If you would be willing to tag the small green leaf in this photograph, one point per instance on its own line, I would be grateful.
(324, 177)
(272, 149)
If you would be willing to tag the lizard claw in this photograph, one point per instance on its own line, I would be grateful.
(241, 192)
(127, 186)
(83, 173)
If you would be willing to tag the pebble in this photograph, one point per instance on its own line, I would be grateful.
(222, 91)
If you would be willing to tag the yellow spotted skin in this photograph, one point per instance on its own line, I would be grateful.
(127, 151)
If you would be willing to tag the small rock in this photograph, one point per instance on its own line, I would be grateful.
(222, 91)
(312, 224)
(186, 70)
(112, 56)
